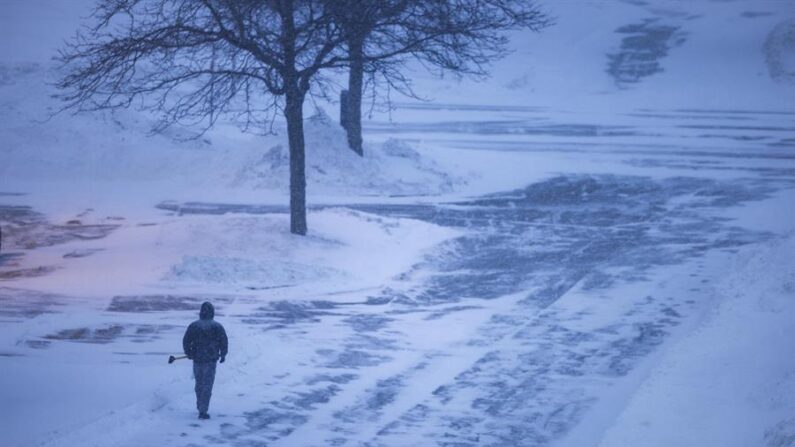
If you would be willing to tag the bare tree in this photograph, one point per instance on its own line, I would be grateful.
(358, 19)
(458, 36)
(194, 61)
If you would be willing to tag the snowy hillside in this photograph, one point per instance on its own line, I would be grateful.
(592, 247)
(611, 56)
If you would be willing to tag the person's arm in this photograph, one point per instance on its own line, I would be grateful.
(188, 342)
(223, 342)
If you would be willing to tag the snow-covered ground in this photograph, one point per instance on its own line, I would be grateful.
(591, 248)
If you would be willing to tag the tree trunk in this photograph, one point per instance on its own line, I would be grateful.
(294, 113)
(344, 109)
(355, 87)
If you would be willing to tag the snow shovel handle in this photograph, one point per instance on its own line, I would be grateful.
(171, 358)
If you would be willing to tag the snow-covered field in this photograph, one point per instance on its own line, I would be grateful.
(594, 247)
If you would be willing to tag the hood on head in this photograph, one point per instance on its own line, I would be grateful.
(207, 312)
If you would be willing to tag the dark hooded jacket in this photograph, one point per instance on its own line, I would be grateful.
(205, 340)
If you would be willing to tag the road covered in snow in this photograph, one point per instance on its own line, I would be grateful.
(511, 333)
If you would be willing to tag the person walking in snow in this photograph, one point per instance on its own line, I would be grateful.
(205, 342)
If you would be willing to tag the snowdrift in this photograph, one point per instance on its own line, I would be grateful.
(41, 144)
(390, 168)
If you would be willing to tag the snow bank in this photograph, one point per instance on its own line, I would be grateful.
(235, 271)
(236, 253)
(390, 168)
(117, 147)
(730, 382)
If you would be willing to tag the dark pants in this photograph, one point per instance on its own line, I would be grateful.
(204, 374)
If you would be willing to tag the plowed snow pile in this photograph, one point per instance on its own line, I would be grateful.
(118, 147)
